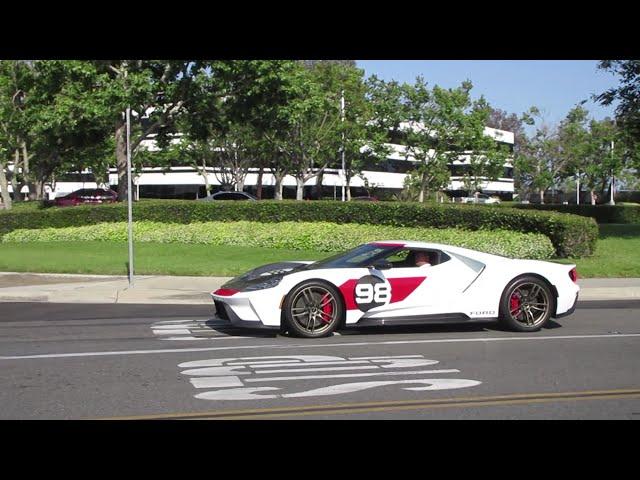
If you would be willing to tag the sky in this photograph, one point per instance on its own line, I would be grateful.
(554, 86)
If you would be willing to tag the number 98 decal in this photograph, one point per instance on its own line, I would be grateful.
(371, 292)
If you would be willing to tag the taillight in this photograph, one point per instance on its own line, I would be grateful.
(225, 292)
(573, 274)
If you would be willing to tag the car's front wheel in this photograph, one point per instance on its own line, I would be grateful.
(313, 309)
(527, 304)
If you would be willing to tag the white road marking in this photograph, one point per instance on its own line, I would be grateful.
(384, 358)
(432, 384)
(217, 362)
(268, 362)
(172, 332)
(186, 338)
(320, 345)
(348, 375)
(216, 382)
(190, 330)
(230, 382)
(173, 326)
(237, 394)
(250, 393)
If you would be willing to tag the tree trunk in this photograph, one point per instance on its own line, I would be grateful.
(593, 196)
(299, 188)
(348, 189)
(259, 184)
(31, 184)
(541, 196)
(318, 186)
(39, 188)
(121, 158)
(278, 187)
(423, 186)
(17, 189)
(205, 175)
(4, 188)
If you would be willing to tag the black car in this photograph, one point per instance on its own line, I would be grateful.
(228, 196)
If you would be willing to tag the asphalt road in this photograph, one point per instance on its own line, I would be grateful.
(63, 361)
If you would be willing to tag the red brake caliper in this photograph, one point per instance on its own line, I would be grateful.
(328, 308)
(514, 303)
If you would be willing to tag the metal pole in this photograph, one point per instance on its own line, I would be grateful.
(343, 164)
(613, 179)
(129, 203)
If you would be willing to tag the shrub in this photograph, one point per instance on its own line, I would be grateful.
(319, 236)
(621, 213)
(571, 235)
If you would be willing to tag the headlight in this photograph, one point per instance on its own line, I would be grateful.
(270, 283)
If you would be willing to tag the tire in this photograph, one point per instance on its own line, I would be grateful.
(526, 304)
(313, 309)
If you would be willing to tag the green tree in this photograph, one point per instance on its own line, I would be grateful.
(587, 147)
(246, 97)
(539, 162)
(354, 133)
(445, 125)
(627, 94)
(13, 83)
(305, 137)
(48, 126)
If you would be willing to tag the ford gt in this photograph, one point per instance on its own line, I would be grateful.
(399, 283)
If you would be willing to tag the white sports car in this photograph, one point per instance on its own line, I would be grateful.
(399, 283)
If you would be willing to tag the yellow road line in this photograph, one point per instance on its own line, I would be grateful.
(391, 406)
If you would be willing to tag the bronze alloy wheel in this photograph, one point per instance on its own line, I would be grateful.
(313, 309)
(527, 304)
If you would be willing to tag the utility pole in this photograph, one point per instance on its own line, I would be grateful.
(343, 164)
(129, 193)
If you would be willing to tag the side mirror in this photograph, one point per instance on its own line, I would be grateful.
(381, 265)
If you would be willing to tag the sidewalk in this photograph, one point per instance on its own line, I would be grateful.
(60, 288)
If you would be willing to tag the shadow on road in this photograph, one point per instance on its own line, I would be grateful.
(216, 327)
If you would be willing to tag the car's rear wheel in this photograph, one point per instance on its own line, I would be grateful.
(527, 304)
(312, 309)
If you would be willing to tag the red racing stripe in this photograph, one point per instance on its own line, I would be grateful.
(401, 288)
(347, 289)
(385, 244)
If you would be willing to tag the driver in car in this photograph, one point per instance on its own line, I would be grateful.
(422, 258)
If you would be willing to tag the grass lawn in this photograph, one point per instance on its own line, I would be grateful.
(110, 258)
(617, 255)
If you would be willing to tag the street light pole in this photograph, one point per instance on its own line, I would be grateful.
(343, 164)
(129, 193)
(613, 178)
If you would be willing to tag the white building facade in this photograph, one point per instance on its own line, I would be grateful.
(381, 178)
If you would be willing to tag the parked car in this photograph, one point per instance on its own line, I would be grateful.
(86, 196)
(228, 196)
(481, 198)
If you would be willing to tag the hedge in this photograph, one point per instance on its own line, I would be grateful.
(571, 235)
(602, 213)
(319, 236)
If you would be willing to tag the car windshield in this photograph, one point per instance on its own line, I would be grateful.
(361, 256)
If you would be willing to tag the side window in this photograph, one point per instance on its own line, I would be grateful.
(413, 258)
(399, 258)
